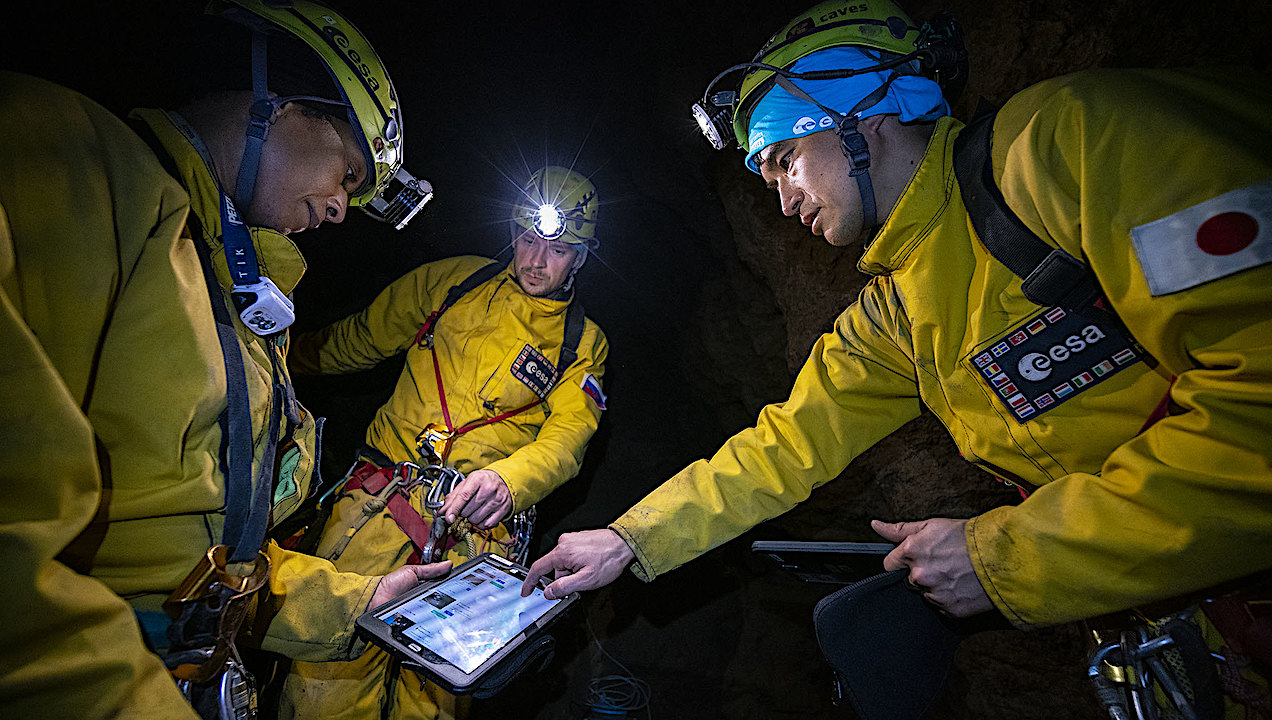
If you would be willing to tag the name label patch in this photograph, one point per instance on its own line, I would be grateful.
(533, 369)
(1050, 358)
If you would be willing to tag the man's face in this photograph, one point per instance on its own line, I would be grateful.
(810, 175)
(308, 166)
(542, 266)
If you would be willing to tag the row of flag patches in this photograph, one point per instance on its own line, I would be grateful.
(1023, 407)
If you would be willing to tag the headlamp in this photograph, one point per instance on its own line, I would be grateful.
(411, 195)
(712, 115)
(549, 222)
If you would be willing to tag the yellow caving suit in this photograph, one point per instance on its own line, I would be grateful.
(1119, 518)
(478, 340)
(113, 376)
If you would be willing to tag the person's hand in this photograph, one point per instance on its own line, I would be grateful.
(483, 497)
(581, 561)
(405, 578)
(935, 550)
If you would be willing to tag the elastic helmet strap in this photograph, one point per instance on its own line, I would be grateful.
(852, 141)
(259, 116)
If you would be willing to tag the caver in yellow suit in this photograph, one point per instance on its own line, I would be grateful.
(113, 387)
(112, 362)
(1122, 169)
(478, 342)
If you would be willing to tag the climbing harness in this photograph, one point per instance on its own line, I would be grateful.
(391, 488)
(435, 440)
(1128, 668)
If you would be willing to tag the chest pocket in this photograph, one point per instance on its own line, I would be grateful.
(1052, 357)
(522, 376)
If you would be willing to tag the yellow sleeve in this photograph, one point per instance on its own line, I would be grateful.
(1188, 503)
(857, 386)
(536, 469)
(385, 327)
(69, 647)
(311, 607)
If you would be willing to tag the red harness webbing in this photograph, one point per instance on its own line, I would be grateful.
(425, 333)
(371, 479)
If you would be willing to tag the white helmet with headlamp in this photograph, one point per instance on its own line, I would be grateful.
(867, 59)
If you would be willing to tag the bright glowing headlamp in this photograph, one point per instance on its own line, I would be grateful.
(549, 222)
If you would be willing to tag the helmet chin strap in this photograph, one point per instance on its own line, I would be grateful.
(259, 116)
(853, 142)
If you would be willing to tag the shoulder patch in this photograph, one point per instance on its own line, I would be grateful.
(1212, 239)
(592, 387)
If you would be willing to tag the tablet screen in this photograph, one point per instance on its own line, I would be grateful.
(467, 618)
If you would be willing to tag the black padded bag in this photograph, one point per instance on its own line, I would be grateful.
(890, 649)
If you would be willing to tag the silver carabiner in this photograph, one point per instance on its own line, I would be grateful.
(444, 480)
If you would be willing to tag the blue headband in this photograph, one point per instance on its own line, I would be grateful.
(782, 116)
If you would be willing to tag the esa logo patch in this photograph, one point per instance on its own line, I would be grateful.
(533, 369)
(1052, 357)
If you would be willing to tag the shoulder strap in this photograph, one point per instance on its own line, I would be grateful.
(479, 277)
(424, 338)
(1050, 276)
(247, 499)
(574, 322)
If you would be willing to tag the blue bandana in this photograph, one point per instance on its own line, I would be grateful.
(781, 116)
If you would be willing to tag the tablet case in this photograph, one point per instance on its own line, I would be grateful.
(891, 650)
(534, 654)
(834, 563)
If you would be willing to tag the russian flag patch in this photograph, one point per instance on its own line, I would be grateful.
(1212, 239)
(592, 387)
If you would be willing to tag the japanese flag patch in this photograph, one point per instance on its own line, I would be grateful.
(1210, 240)
(592, 387)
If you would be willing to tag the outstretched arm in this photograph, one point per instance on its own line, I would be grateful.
(585, 560)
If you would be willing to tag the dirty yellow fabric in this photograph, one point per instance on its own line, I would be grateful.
(1120, 519)
(370, 686)
(112, 375)
(477, 341)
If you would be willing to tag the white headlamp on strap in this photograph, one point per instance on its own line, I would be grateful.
(262, 307)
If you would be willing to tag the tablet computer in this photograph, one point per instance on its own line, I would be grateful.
(837, 563)
(458, 628)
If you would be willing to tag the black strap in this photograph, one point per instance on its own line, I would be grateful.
(1050, 276)
(483, 274)
(574, 321)
(574, 316)
(247, 502)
